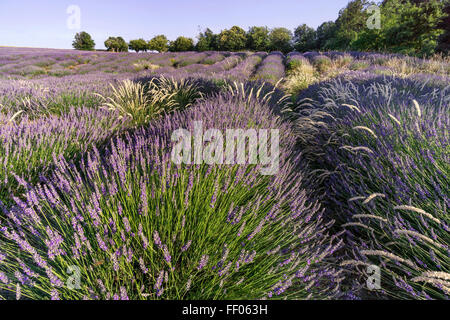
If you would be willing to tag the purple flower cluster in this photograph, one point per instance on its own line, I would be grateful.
(79, 186)
(81, 202)
(29, 146)
(245, 69)
(384, 175)
(272, 68)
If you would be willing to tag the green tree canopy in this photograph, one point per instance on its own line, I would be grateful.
(409, 27)
(83, 41)
(234, 39)
(325, 33)
(444, 39)
(182, 44)
(123, 45)
(281, 39)
(116, 44)
(352, 20)
(207, 41)
(159, 43)
(305, 38)
(412, 28)
(138, 45)
(258, 39)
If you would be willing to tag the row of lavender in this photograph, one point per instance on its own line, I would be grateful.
(29, 146)
(88, 72)
(31, 63)
(379, 150)
(394, 217)
(20, 63)
(41, 153)
(23, 63)
(60, 116)
(137, 226)
(49, 94)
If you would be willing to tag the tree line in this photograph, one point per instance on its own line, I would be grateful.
(415, 27)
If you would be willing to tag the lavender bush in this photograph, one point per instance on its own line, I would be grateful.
(295, 60)
(364, 143)
(380, 152)
(271, 69)
(245, 69)
(28, 146)
(140, 227)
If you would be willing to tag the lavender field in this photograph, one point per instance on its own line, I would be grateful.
(88, 185)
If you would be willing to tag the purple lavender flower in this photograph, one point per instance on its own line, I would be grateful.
(156, 238)
(186, 246)
(54, 295)
(3, 278)
(142, 265)
(159, 280)
(123, 294)
(167, 256)
(126, 224)
(203, 262)
(115, 262)
(55, 240)
(101, 243)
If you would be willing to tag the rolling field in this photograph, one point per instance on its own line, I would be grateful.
(87, 182)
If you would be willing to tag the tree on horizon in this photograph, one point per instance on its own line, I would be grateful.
(83, 41)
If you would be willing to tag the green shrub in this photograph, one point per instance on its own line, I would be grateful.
(137, 226)
(137, 101)
(300, 77)
(144, 65)
(295, 64)
(343, 61)
(322, 64)
(182, 92)
(358, 65)
(142, 102)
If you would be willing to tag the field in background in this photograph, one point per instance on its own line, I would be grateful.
(363, 178)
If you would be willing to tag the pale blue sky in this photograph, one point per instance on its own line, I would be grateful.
(43, 23)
